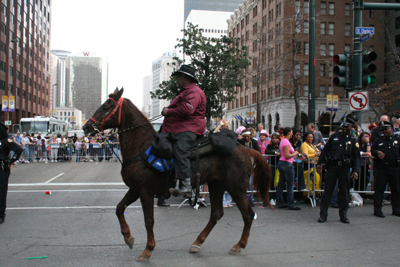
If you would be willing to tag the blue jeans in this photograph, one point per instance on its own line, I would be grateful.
(286, 174)
(227, 199)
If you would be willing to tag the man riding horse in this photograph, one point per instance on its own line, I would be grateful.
(185, 118)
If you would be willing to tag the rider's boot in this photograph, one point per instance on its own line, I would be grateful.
(186, 188)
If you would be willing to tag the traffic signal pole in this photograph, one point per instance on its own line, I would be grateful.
(358, 7)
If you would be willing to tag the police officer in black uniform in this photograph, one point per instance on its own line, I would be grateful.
(386, 152)
(340, 154)
(6, 145)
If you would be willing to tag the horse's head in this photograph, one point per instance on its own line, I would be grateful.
(107, 115)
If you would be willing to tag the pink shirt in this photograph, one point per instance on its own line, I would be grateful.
(284, 143)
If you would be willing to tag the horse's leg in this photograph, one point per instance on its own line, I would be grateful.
(248, 216)
(147, 200)
(216, 193)
(128, 199)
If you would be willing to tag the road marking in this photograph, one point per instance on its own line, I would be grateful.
(55, 177)
(67, 190)
(65, 184)
(84, 207)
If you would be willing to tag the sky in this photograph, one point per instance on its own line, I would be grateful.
(130, 33)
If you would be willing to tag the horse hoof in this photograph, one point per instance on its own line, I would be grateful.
(130, 242)
(234, 251)
(142, 257)
(194, 249)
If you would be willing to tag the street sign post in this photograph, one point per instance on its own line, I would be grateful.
(365, 30)
(365, 37)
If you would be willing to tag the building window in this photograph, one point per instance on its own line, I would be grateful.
(323, 27)
(330, 71)
(305, 90)
(331, 10)
(306, 26)
(347, 29)
(331, 50)
(306, 7)
(322, 91)
(347, 48)
(255, 12)
(322, 70)
(347, 10)
(331, 30)
(305, 69)
(306, 48)
(323, 8)
(322, 49)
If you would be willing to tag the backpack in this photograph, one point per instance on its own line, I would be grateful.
(160, 164)
(161, 145)
(224, 142)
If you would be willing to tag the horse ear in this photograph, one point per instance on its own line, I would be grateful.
(115, 91)
(120, 92)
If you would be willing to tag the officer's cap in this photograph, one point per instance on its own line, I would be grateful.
(354, 117)
(346, 122)
(385, 124)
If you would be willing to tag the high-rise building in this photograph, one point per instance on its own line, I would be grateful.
(275, 34)
(86, 83)
(146, 101)
(25, 57)
(213, 5)
(58, 75)
(162, 69)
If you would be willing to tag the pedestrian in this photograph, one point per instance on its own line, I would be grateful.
(340, 154)
(318, 138)
(185, 117)
(6, 145)
(386, 153)
(286, 171)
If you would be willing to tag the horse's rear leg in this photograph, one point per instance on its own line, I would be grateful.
(147, 200)
(248, 216)
(217, 212)
(128, 199)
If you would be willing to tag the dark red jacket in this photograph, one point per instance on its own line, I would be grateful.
(186, 111)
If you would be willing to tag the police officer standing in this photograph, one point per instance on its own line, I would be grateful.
(340, 154)
(6, 145)
(386, 152)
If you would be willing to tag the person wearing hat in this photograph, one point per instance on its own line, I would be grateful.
(6, 145)
(185, 117)
(340, 154)
(357, 130)
(386, 153)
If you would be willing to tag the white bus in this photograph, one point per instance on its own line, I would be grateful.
(47, 126)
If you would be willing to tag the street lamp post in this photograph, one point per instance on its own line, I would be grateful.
(53, 99)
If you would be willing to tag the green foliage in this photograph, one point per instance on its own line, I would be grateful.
(219, 64)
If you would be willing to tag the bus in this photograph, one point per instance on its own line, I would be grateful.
(47, 126)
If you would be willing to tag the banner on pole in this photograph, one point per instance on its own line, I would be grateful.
(11, 103)
(4, 100)
(332, 102)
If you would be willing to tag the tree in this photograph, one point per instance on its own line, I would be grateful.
(219, 64)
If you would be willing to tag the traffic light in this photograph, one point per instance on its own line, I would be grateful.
(340, 70)
(368, 68)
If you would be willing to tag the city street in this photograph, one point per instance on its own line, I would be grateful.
(76, 225)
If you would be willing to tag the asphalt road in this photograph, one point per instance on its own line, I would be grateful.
(76, 226)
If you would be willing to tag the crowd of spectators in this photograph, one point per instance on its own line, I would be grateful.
(66, 148)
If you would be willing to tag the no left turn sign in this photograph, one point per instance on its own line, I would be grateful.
(358, 101)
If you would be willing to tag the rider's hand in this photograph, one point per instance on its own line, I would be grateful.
(164, 112)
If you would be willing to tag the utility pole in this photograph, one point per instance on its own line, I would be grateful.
(311, 63)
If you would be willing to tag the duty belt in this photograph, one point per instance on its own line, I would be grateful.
(345, 162)
(391, 163)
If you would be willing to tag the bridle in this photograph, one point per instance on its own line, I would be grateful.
(98, 125)
(108, 115)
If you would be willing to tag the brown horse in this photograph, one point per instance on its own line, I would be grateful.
(220, 173)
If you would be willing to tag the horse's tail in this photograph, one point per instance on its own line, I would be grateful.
(262, 176)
